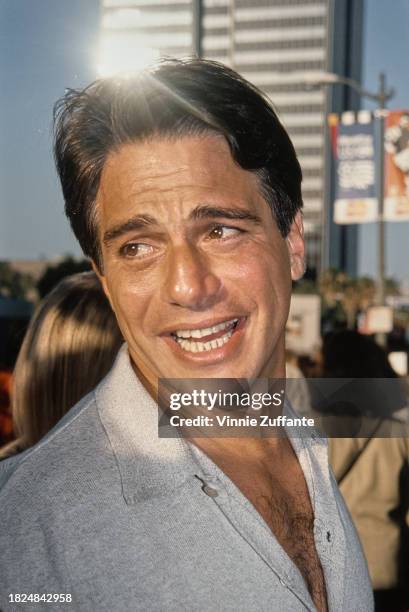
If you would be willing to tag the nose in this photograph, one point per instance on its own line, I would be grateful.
(190, 281)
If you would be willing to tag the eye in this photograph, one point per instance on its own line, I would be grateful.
(136, 249)
(221, 232)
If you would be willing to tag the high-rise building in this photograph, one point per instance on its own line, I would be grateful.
(270, 42)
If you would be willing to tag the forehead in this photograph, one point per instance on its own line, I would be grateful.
(161, 174)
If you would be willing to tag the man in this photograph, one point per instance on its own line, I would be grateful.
(183, 188)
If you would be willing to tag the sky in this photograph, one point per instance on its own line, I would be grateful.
(45, 46)
(48, 45)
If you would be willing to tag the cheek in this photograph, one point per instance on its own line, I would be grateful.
(131, 301)
(262, 270)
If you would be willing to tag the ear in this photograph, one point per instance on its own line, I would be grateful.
(102, 280)
(296, 247)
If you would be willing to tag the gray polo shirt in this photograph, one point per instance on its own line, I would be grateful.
(104, 510)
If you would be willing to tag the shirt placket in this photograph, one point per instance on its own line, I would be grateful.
(329, 533)
(251, 527)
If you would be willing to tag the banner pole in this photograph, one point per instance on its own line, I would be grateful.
(380, 297)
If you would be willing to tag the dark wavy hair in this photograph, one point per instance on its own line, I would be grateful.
(172, 98)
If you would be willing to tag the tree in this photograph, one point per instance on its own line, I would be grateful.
(53, 274)
(352, 294)
(14, 284)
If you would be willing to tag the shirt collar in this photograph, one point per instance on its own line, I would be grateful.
(149, 466)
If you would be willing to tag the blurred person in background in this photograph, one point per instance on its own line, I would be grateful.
(349, 354)
(6, 424)
(373, 472)
(70, 345)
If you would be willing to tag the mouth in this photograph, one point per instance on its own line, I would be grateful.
(206, 339)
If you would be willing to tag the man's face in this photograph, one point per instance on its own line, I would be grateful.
(194, 265)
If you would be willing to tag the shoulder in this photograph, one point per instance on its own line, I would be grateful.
(51, 496)
(62, 463)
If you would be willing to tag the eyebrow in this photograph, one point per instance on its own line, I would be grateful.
(216, 212)
(135, 223)
(199, 213)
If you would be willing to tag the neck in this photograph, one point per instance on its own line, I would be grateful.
(275, 366)
(148, 380)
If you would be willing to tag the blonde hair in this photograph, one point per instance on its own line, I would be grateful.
(69, 347)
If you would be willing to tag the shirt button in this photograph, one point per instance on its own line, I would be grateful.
(210, 491)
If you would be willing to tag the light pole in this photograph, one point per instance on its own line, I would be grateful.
(381, 97)
(232, 32)
(197, 27)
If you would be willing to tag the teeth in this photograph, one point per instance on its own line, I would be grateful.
(206, 331)
(183, 333)
(199, 347)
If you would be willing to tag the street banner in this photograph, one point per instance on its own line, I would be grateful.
(396, 202)
(353, 150)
